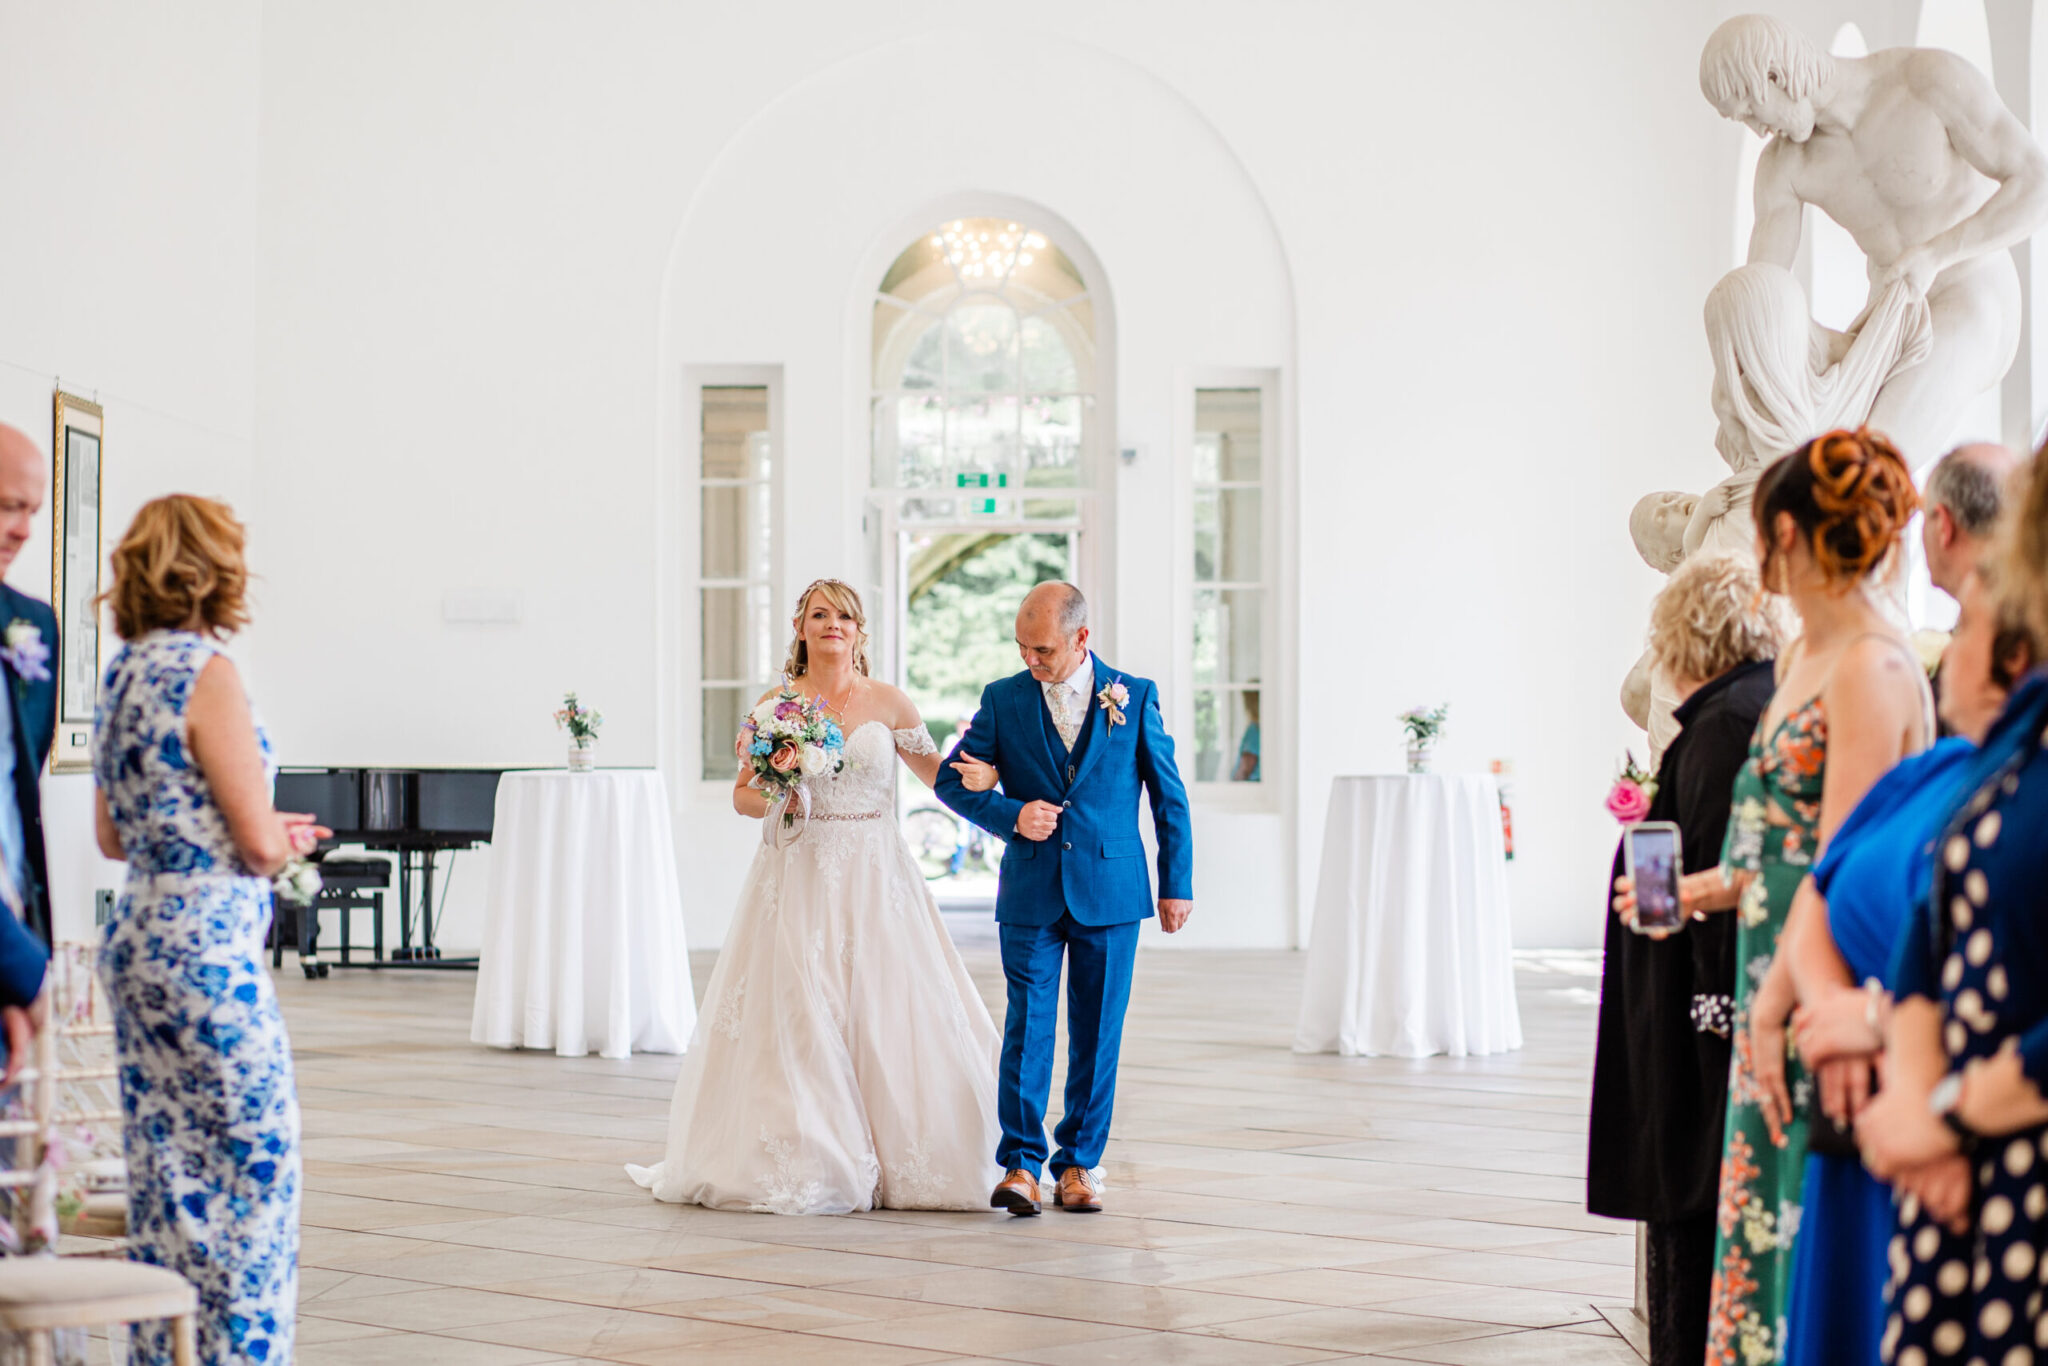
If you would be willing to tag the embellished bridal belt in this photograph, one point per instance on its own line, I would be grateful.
(789, 814)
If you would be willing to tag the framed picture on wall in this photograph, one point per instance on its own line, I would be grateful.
(75, 575)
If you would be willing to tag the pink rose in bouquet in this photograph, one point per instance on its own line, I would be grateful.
(784, 759)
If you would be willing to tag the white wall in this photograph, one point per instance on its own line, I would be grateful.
(128, 152)
(1475, 238)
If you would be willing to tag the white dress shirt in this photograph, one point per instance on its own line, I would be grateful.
(1080, 683)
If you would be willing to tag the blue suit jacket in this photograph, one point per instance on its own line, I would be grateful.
(32, 711)
(1093, 866)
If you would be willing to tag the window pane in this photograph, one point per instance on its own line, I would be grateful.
(737, 633)
(1227, 635)
(1227, 535)
(723, 708)
(1052, 441)
(981, 435)
(735, 429)
(1229, 420)
(1227, 740)
(1208, 738)
(736, 527)
(981, 348)
(910, 443)
(1051, 509)
(925, 367)
(1048, 363)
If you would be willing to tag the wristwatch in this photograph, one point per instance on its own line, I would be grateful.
(1942, 1102)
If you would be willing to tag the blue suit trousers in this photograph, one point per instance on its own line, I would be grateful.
(1098, 961)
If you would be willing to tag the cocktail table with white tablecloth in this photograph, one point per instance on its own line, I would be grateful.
(583, 924)
(1411, 951)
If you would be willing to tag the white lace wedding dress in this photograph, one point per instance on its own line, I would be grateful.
(843, 1059)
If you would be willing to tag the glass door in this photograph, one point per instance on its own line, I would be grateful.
(956, 610)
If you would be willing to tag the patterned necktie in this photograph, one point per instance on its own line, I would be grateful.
(1063, 718)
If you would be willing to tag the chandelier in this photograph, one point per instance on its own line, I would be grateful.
(986, 248)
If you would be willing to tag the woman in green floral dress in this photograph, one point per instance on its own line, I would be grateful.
(1771, 837)
(1830, 519)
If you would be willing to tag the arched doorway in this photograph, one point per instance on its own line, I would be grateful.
(985, 450)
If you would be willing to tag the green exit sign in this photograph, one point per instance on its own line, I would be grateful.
(981, 505)
(981, 480)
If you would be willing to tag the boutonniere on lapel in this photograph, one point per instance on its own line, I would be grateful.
(1114, 699)
(25, 652)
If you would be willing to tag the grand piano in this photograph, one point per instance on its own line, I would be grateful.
(415, 813)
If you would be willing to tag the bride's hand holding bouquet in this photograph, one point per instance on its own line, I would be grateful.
(786, 741)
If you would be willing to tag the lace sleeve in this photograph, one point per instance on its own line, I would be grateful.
(916, 740)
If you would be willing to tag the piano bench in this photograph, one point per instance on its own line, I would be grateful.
(346, 885)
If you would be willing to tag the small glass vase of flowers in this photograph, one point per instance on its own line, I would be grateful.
(582, 724)
(1424, 726)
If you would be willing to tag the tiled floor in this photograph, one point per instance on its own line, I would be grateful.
(467, 1206)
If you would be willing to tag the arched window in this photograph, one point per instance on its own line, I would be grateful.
(984, 351)
(985, 452)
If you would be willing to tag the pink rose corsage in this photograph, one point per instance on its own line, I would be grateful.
(1114, 699)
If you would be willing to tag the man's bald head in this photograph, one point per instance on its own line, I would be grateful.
(1052, 631)
(1965, 492)
(23, 477)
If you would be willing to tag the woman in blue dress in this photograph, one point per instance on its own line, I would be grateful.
(1959, 1125)
(211, 1114)
(1875, 871)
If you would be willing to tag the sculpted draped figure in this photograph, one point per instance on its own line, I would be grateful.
(1779, 381)
(1913, 153)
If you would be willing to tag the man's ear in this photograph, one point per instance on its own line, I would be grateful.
(1945, 533)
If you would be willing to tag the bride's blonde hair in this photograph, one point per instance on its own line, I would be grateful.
(842, 597)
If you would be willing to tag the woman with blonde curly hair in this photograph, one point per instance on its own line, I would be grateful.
(183, 773)
(843, 1060)
(1660, 1075)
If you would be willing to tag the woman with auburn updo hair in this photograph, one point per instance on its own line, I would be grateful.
(1850, 702)
(183, 773)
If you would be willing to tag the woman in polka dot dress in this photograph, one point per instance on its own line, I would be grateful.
(1961, 1128)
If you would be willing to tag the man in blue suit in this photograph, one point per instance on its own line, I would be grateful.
(28, 642)
(1075, 742)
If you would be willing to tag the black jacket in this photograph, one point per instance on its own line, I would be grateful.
(1660, 1080)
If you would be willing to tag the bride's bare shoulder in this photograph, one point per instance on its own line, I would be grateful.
(893, 705)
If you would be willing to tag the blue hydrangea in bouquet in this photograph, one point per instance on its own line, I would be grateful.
(788, 740)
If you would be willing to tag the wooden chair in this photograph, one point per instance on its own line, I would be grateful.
(40, 1293)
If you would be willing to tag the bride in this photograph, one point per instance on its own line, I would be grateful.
(843, 1059)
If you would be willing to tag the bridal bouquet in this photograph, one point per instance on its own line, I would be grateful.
(788, 740)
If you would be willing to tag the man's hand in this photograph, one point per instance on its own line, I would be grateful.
(1174, 914)
(1038, 820)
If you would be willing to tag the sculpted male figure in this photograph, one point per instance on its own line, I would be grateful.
(1912, 151)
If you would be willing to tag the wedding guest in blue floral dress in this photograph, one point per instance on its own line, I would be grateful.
(183, 775)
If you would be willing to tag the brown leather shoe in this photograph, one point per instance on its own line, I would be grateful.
(1017, 1193)
(1076, 1193)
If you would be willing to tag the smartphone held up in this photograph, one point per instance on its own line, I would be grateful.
(1651, 852)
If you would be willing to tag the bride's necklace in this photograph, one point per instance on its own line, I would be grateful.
(827, 706)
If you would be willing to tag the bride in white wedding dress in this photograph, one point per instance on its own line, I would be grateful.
(843, 1059)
